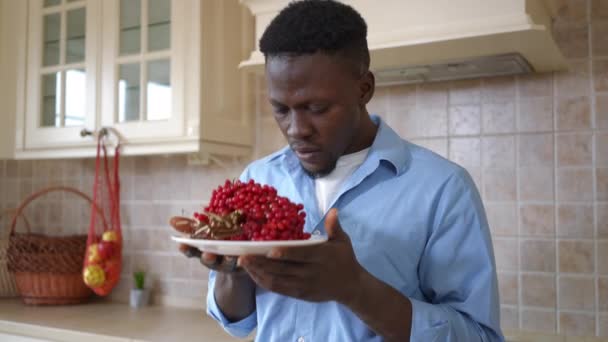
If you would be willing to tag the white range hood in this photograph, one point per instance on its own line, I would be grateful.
(430, 40)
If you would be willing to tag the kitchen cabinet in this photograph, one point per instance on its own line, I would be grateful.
(162, 73)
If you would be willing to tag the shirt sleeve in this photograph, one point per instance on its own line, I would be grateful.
(457, 271)
(240, 328)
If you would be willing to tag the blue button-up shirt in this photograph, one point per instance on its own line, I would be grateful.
(416, 222)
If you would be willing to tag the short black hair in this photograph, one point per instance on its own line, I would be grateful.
(310, 26)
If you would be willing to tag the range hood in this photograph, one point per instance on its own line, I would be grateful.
(414, 41)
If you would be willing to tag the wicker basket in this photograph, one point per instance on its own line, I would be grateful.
(7, 281)
(47, 269)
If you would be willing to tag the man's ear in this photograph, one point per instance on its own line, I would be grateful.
(367, 86)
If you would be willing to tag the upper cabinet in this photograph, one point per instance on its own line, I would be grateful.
(162, 73)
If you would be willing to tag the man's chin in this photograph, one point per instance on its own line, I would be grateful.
(317, 170)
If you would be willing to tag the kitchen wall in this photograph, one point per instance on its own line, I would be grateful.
(536, 145)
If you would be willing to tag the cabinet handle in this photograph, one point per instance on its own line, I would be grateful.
(104, 132)
(85, 132)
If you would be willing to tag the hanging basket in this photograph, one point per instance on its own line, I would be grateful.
(47, 269)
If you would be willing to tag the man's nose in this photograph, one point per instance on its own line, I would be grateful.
(299, 125)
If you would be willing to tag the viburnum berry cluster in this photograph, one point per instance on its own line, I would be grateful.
(251, 211)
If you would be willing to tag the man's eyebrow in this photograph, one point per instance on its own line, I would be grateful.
(304, 103)
(276, 103)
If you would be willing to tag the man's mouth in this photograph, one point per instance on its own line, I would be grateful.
(307, 154)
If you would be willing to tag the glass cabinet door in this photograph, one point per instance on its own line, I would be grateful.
(61, 70)
(62, 73)
(143, 63)
(139, 83)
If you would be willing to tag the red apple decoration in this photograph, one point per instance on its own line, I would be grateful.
(112, 269)
(106, 249)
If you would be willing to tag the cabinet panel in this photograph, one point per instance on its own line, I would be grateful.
(130, 26)
(226, 103)
(159, 25)
(76, 35)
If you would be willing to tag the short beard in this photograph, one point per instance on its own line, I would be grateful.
(322, 173)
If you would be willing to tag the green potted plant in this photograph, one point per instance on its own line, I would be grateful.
(140, 295)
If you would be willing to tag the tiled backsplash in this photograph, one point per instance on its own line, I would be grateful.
(153, 189)
(536, 145)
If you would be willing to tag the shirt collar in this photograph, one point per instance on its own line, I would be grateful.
(387, 146)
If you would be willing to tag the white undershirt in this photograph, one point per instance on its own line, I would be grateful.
(327, 187)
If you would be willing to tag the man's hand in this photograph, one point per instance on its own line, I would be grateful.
(234, 290)
(220, 263)
(324, 272)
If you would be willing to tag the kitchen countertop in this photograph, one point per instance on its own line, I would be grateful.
(526, 336)
(117, 322)
(107, 321)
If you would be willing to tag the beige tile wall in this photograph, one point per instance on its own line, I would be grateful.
(536, 145)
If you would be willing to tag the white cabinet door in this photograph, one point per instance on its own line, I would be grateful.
(61, 71)
(144, 67)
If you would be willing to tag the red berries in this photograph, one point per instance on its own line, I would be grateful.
(266, 216)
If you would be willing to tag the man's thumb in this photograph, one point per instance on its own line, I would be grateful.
(332, 225)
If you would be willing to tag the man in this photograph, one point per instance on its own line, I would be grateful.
(409, 255)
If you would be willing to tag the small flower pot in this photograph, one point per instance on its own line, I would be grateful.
(139, 298)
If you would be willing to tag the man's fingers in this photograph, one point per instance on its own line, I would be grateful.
(188, 251)
(263, 265)
(221, 263)
(332, 226)
(212, 261)
(209, 258)
(308, 254)
(282, 284)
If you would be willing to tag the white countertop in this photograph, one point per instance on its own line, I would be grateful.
(527, 336)
(114, 322)
(107, 321)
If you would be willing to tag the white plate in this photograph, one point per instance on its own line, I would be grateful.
(222, 247)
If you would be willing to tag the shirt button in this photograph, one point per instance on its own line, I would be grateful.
(315, 232)
(301, 339)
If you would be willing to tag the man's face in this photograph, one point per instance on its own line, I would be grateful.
(319, 104)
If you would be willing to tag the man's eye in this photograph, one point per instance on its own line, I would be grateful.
(280, 110)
